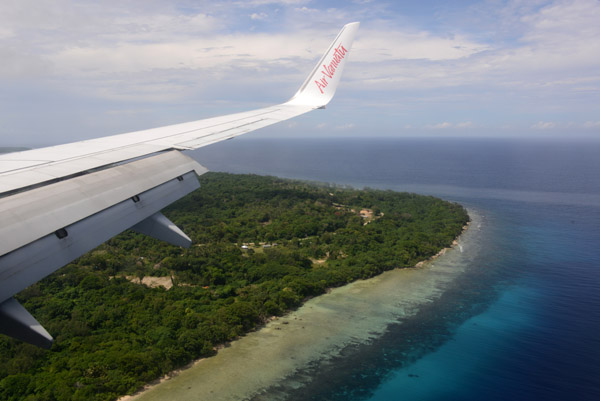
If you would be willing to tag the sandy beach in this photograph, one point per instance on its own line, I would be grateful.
(317, 331)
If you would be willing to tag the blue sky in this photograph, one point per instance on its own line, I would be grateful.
(81, 69)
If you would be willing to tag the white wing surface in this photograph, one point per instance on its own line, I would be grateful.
(59, 202)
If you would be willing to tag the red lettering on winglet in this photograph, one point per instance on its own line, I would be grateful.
(328, 70)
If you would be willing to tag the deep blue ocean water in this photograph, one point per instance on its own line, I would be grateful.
(524, 323)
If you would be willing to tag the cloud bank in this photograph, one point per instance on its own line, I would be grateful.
(531, 66)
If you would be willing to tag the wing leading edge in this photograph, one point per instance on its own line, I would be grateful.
(23, 169)
(59, 202)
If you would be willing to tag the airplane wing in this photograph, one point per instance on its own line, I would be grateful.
(59, 202)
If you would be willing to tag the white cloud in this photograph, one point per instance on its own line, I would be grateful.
(19, 64)
(159, 70)
(543, 125)
(308, 10)
(345, 127)
(553, 46)
(258, 16)
(551, 125)
(254, 3)
(5, 33)
(537, 56)
(560, 42)
(383, 45)
(448, 125)
(443, 125)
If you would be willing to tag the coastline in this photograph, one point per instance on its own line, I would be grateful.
(355, 313)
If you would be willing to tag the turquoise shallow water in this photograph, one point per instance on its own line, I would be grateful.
(525, 322)
(463, 365)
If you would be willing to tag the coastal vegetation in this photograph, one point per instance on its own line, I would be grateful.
(135, 308)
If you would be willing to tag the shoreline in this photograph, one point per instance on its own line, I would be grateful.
(285, 342)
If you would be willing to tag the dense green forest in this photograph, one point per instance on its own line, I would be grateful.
(262, 245)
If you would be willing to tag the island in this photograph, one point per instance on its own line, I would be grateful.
(135, 308)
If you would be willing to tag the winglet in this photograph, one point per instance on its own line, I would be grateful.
(320, 86)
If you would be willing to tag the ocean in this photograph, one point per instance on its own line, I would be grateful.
(523, 321)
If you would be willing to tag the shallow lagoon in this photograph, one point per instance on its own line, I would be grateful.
(271, 361)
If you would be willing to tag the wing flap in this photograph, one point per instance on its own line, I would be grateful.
(30, 215)
(60, 222)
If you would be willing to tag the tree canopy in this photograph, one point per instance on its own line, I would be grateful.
(262, 245)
